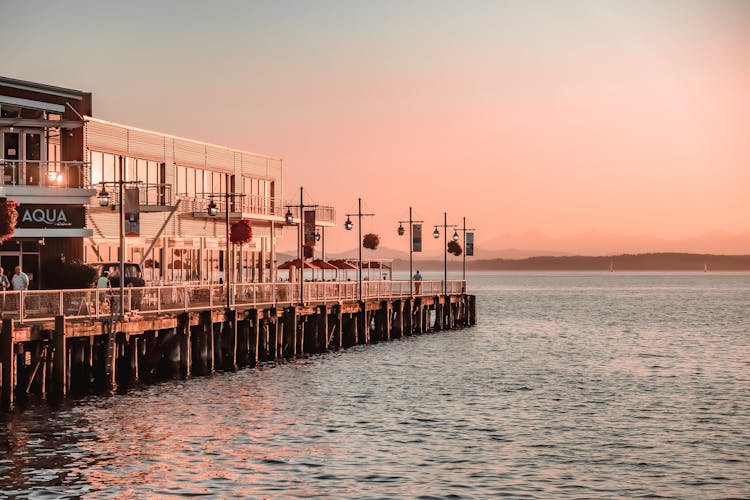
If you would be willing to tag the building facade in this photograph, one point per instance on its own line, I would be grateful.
(59, 163)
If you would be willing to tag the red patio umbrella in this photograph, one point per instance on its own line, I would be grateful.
(296, 263)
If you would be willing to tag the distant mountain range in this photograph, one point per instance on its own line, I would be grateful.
(535, 243)
(593, 243)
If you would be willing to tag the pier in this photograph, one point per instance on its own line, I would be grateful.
(62, 342)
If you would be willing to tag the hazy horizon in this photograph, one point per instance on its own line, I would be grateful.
(558, 118)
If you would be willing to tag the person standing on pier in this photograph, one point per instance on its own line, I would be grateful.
(4, 283)
(417, 282)
(20, 280)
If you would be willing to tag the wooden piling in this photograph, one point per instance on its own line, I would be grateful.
(59, 361)
(186, 355)
(7, 378)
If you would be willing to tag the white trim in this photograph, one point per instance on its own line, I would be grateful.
(52, 233)
(28, 103)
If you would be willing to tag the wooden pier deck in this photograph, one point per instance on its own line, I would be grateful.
(53, 357)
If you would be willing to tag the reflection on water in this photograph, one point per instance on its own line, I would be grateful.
(571, 386)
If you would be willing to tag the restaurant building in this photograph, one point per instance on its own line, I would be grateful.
(58, 160)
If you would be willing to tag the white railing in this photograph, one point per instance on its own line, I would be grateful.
(98, 303)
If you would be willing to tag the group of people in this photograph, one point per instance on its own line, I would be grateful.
(19, 281)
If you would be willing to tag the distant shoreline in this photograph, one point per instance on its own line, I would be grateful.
(624, 262)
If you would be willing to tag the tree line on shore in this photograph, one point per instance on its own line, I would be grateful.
(624, 262)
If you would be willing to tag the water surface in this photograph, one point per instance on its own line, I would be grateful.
(572, 386)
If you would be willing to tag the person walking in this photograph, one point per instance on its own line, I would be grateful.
(20, 280)
(4, 282)
(103, 281)
(417, 282)
(4, 286)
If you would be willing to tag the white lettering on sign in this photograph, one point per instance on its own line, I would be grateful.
(50, 216)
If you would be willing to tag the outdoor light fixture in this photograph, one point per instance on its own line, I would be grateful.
(103, 197)
(455, 235)
(288, 216)
(348, 224)
(436, 233)
(213, 210)
(401, 229)
(53, 176)
(317, 235)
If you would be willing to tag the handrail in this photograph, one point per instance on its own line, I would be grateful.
(32, 306)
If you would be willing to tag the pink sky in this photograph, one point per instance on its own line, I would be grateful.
(627, 117)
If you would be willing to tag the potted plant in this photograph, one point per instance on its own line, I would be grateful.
(454, 248)
(371, 241)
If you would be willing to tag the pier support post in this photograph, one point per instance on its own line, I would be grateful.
(407, 315)
(229, 340)
(397, 323)
(186, 355)
(253, 326)
(59, 362)
(321, 329)
(363, 325)
(335, 325)
(7, 360)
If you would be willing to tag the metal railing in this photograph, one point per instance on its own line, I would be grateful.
(102, 303)
(323, 213)
(250, 203)
(149, 194)
(57, 174)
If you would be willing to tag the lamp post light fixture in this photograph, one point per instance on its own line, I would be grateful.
(213, 211)
(401, 232)
(348, 226)
(436, 234)
(289, 218)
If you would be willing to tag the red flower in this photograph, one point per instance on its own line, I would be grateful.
(8, 218)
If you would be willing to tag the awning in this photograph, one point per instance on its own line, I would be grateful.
(342, 264)
(288, 264)
(375, 265)
(321, 264)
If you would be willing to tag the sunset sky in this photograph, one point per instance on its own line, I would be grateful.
(558, 117)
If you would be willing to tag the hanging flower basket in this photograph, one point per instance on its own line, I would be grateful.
(8, 218)
(240, 232)
(455, 248)
(371, 241)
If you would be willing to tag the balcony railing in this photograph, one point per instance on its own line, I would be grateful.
(148, 194)
(98, 303)
(57, 174)
(323, 213)
(249, 203)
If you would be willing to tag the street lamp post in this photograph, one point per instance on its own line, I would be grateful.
(104, 200)
(213, 211)
(436, 234)
(348, 227)
(300, 231)
(411, 246)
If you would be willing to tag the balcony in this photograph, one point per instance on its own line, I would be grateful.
(53, 174)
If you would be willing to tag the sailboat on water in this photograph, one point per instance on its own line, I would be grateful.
(611, 266)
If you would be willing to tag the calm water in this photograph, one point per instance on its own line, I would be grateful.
(572, 386)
